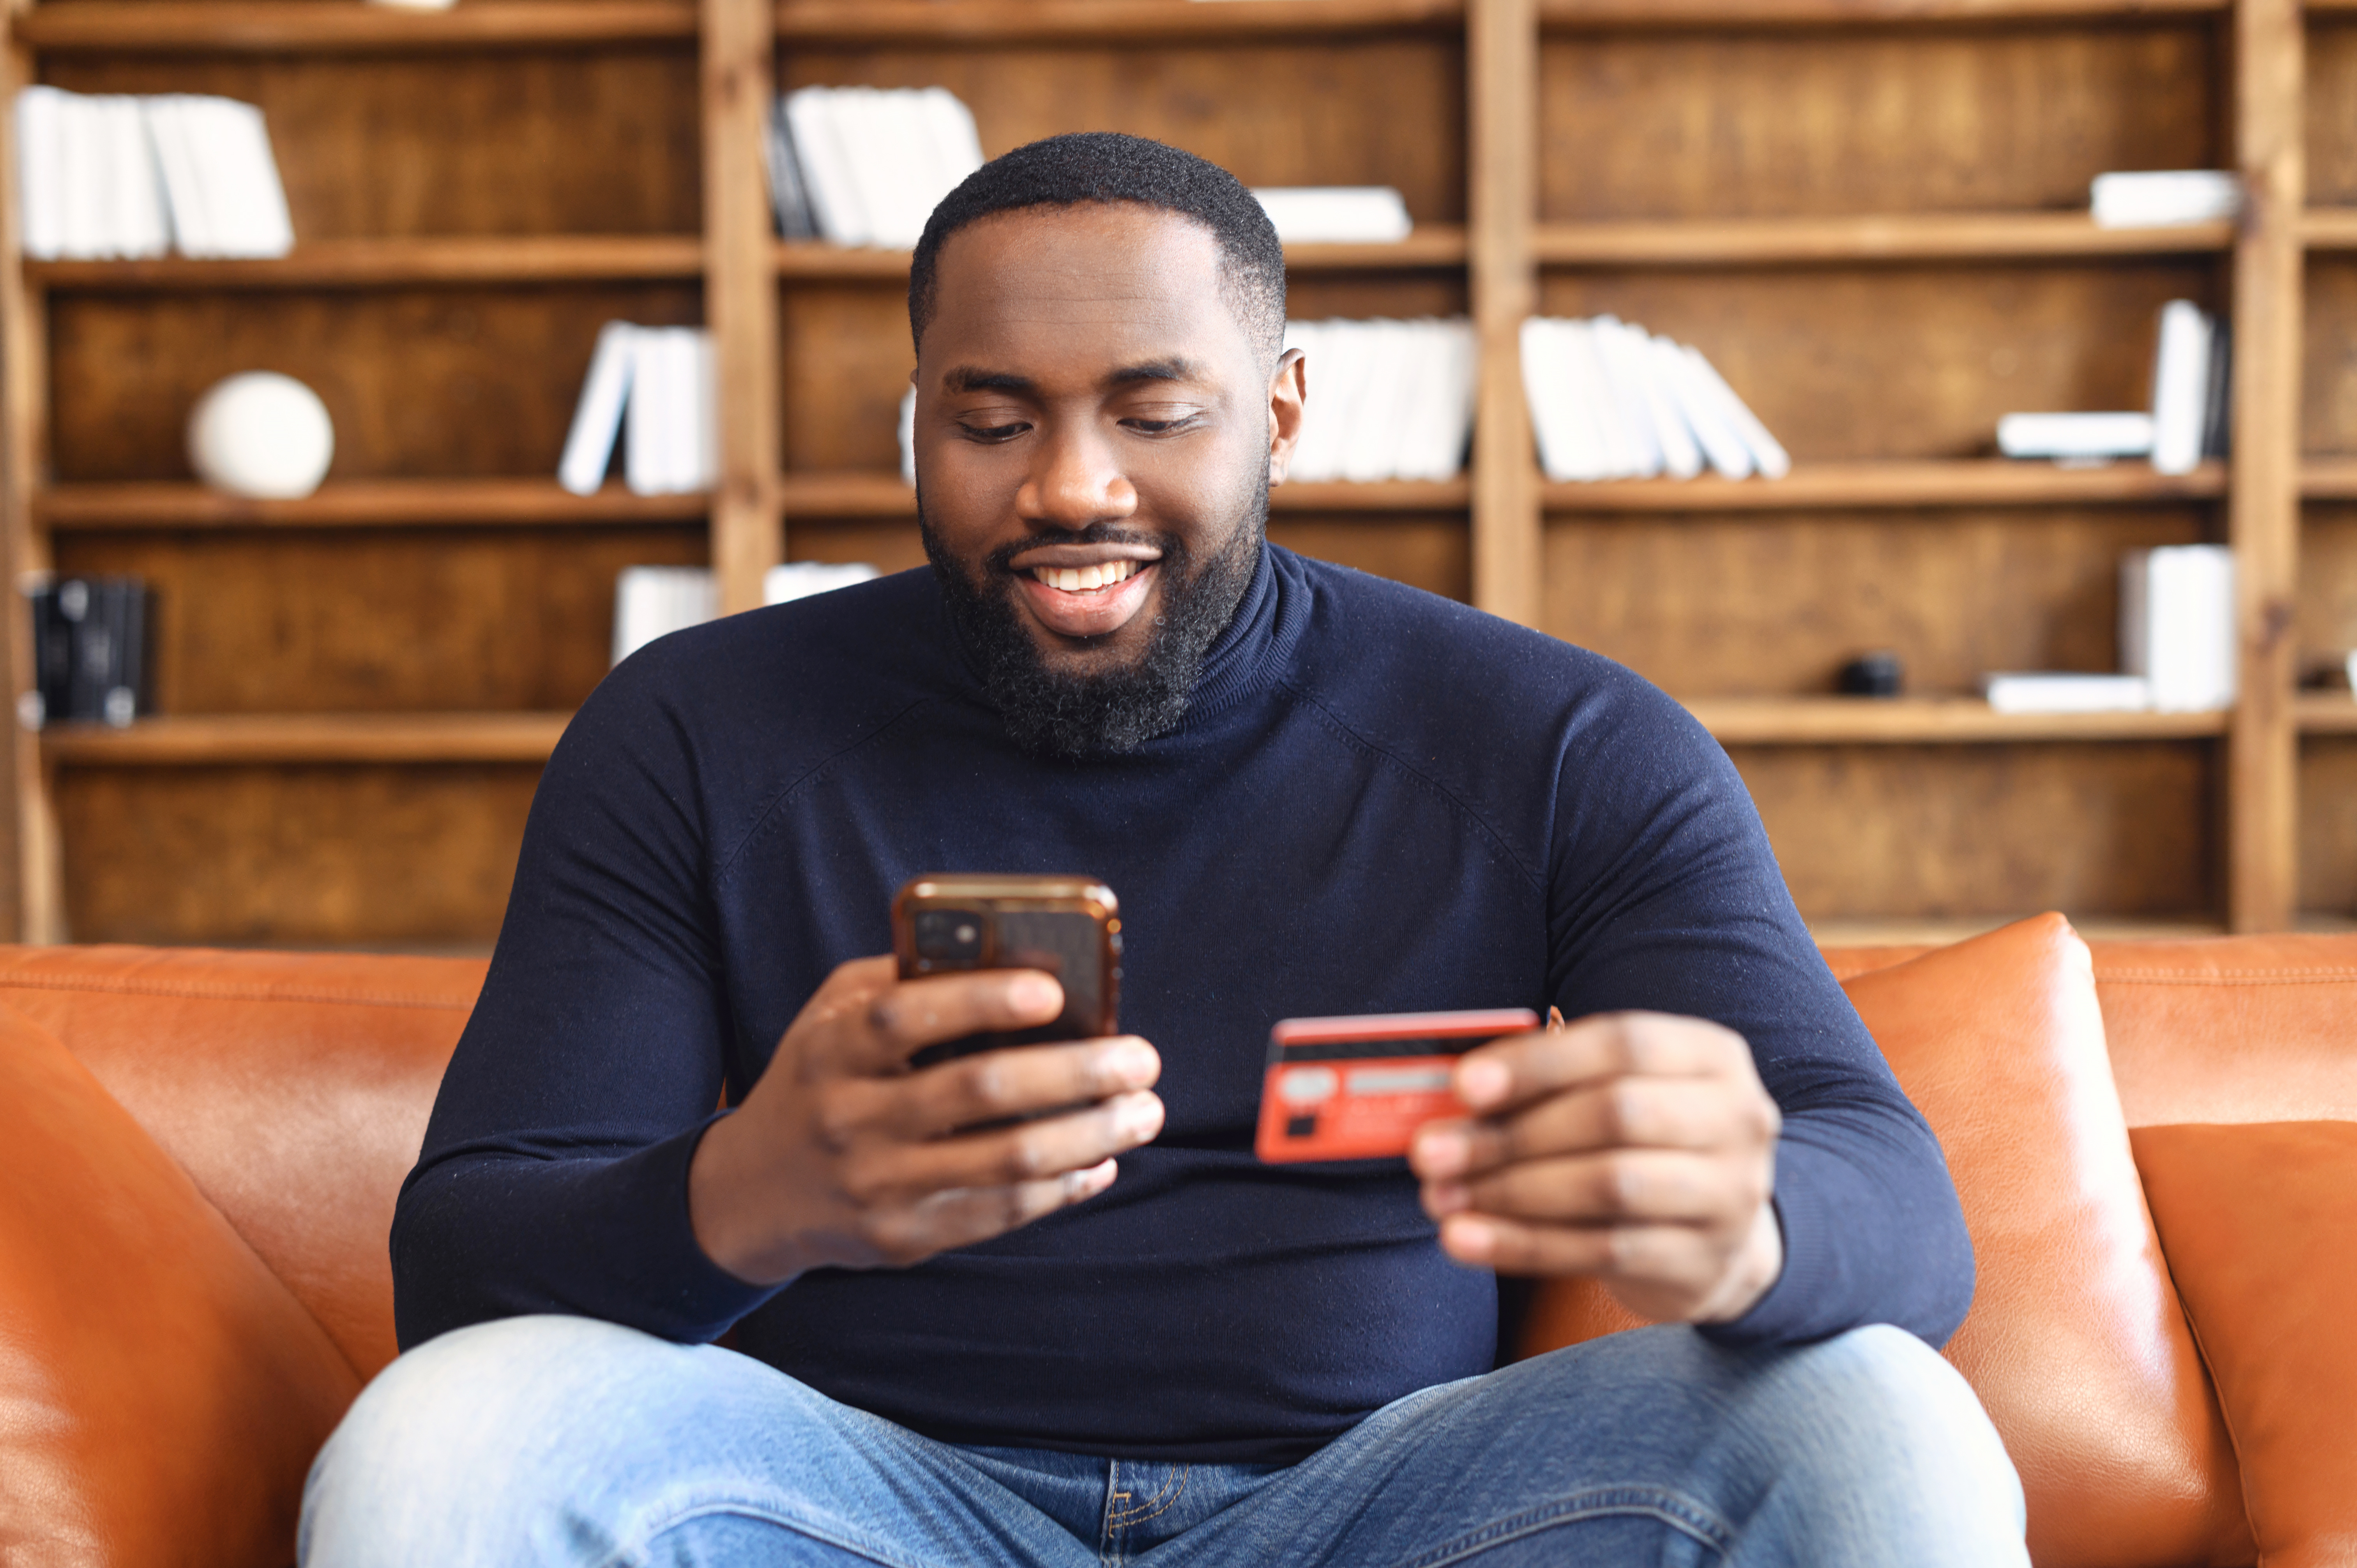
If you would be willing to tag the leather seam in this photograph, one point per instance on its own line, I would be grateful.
(229, 992)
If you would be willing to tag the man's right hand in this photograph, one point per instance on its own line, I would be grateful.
(842, 1157)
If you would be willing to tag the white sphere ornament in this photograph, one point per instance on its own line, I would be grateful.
(261, 434)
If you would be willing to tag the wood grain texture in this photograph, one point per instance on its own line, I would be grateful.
(1742, 123)
(2116, 829)
(2328, 359)
(2328, 111)
(31, 910)
(375, 263)
(740, 295)
(2263, 499)
(2325, 712)
(364, 503)
(1503, 73)
(1902, 721)
(2325, 627)
(2327, 824)
(576, 142)
(256, 622)
(427, 383)
(1951, 482)
(1380, 109)
(290, 854)
(1654, 15)
(229, 740)
(1816, 353)
(1898, 236)
(319, 27)
(1737, 606)
(1100, 21)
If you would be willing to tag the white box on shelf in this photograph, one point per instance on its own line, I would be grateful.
(2064, 692)
(2163, 198)
(2177, 625)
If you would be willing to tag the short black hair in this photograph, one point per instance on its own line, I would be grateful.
(1107, 165)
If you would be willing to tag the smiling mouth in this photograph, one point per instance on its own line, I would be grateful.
(1087, 579)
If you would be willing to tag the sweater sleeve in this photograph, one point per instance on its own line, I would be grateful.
(1664, 896)
(553, 1176)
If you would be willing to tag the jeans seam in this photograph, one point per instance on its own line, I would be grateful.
(1160, 1502)
(1683, 1514)
(689, 1513)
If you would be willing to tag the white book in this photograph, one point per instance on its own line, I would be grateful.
(683, 438)
(2069, 436)
(597, 417)
(908, 436)
(1439, 449)
(1624, 452)
(1335, 214)
(646, 426)
(1681, 454)
(655, 601)
(83, 230)
(956, 141)
(1307, 336)
(2177, 625)
(704, 388)
(1337, 376)
(183, 185)
(890, 148)
(2043, 693)
(1767, 452)
(1380, 421)
(826, 177)
(244, 203)
(1625, 379)
(788, 202)
(40, 170)
(1712, 431)
(2180, 387)
(2161, 198)
(1431, 403)
(1569, 449)
(800, 579)
(135, 223)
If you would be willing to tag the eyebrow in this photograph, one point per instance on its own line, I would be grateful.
(971, 378)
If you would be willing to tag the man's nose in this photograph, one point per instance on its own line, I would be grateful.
(1075, 482)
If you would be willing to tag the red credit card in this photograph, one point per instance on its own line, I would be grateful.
(1357, 1089)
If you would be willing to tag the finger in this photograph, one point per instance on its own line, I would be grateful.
(910, 1014)
(1643, 1186)
(1628, 1113)
(882, 1175)
(961, 1216)
(1676, 1255)
(1520, 1068)
(991, 1086)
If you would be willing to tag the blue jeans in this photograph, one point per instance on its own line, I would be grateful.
(556, 1439)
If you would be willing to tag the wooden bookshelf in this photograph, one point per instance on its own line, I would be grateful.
(1869, 213)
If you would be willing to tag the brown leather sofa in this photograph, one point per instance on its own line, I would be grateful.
(198, 1152)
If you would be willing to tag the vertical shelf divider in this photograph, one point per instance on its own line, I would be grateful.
(2263, 497)
(740, 293)
(1501, 63)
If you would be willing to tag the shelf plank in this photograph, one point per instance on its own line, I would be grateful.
(371, 263)
(879, 495)
(2325, 712)
(1877, 237)
(342, 27)
(1664, 15)
(223, 739)
(1962, 482)
(2329, 228)
(1429, 245)
(1830, 721)
(1098, 21)
(356, 503)
(2329, 478)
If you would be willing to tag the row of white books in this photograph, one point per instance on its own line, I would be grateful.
(2178, 644)
(2163, 198)
(112, 177)
(1388, 399)
(1609, 401)
(866, 166)
(2191, 396)
(655, 601)
(654, 387)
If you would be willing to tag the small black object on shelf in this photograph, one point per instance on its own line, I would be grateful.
(89, 649)
(1876, 674)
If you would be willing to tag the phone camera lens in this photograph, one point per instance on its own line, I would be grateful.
(948, 936)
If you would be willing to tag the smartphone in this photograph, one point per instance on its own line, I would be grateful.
(1358, 1088)
(1068, 925)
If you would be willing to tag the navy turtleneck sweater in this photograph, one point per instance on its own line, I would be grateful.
(1379, 801)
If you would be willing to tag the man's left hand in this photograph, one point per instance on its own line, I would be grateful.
(1638, 1148)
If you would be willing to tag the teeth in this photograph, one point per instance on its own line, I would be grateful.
(1086, 579)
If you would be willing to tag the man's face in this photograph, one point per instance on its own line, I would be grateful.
(1094, 439)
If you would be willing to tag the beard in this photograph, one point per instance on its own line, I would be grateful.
(1073, 714)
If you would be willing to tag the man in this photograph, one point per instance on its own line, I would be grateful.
(973, 1324)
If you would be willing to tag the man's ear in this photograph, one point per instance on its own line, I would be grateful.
(1288, 391)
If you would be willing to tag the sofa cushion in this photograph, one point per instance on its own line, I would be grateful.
(2232, 1028)
(2259, 1220)
(2075, 1341)
(293, 1087)
(161, 1392)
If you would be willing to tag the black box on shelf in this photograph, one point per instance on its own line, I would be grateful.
(89, 649)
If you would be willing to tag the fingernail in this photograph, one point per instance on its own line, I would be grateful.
(1094, 1180)
(1031, 993)
(1442, 1153)
(1132, 1063)
(1138, 1117)
(1445, 1196)
(1482, 1083)
(1470, 1238)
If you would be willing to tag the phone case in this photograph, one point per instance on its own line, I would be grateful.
(1069, 926)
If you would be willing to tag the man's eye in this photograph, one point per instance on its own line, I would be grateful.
(993, 431)
(1164, 426)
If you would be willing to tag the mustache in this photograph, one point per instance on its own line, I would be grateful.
(1000, 559)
